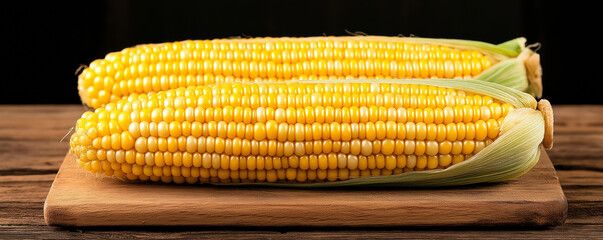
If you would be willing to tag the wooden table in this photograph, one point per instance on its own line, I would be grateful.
(31, 152)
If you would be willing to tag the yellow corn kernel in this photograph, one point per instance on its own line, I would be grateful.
(295, 131)
(158, 67)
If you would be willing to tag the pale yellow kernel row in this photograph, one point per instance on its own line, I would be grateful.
(326, 68)
(308, 163)
(305, 87)
(308, 115)
(243, 147)
(285, 56)
(316, 101)
(249, 176)
(104, 133)
(299, 100)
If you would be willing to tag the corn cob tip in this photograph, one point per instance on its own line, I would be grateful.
(547, 112)
(534, 71)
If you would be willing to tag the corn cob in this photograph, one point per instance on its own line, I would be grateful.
(316, 133)
(159, 67)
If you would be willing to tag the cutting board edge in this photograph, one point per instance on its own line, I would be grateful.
(62, 216)
(58, 214)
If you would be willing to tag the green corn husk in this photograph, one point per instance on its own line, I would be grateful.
(511, 155)
(522, 72)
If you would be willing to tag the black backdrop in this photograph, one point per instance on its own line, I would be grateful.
(45, 42)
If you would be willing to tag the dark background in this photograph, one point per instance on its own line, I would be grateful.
(43, 43)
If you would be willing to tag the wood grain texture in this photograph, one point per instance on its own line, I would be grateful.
(78, 198)
(27, 173)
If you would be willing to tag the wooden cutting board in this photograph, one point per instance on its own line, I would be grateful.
(77, 198)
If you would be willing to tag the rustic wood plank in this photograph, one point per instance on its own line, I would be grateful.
(39, 116)
(22, 198)
(573, 150)
(30, 136)
(578, 118)
(567, 231)
(31, 155)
